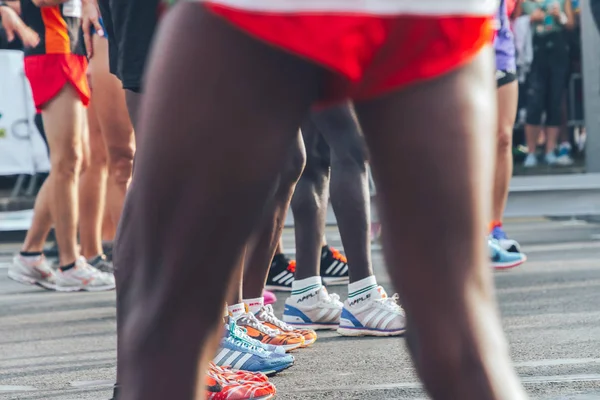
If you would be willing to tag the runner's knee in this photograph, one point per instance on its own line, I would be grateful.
(68, 164)
(121, 163)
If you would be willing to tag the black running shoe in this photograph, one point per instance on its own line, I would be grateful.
(281, 274)
(334, 267)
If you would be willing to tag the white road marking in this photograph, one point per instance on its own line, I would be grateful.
(9, 388)
(88, 384)
(529, 380)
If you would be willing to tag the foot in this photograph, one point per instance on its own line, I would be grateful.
(334, 267)
(564, 155)
(239, 333)
(259, 331)
(323, 313)
(242, 355)
(266, 315)
(228, 384)
(551, 158)
(502, 259)
(379, 315)
(281, 274)
(101, 263)
(83, 277)
(507, 244)
(32, 271)
(530, 161)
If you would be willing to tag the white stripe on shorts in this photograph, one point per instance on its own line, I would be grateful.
(369, 7)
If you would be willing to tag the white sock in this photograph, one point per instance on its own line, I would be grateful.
(254, 305)
(237, 309)
(306, 291)
(361, 291)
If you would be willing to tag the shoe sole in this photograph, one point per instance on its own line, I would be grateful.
(276, 371)
(308, 343)
(506, 266)
(85, 288)
(368, 332)
(314, 327)
(336, 281)
(278, 288)
(26, 280)
(291, 347)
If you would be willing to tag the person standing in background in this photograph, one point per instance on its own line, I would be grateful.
(549, 71)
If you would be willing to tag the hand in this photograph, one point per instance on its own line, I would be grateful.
(555, 11)
(537, 15)
(90, 17)
(14, 25)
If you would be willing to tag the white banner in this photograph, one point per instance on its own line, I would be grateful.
(22, 149)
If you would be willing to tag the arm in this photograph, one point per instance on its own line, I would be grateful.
(518, 11)
(570, 21)
(90, 17)
(15, 5)
(14, 25)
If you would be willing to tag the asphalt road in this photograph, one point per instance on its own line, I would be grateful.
(62, 345)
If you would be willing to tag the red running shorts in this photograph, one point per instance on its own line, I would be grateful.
(49, 73)
(371, 47)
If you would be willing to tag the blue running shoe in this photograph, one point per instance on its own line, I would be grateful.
(237, 332)
(507, 244)
(242, 355)
(502, 259)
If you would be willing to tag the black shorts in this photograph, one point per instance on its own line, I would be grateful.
(130, 27)
(505, 77)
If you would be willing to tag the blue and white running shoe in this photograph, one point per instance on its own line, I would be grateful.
(507, 244)
(502, 259)
(237, 332)
(242, 355)
(323, 314)
(379, 315)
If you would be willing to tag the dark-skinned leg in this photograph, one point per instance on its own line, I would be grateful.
(447, 293)
(171, 323)
(267, 239)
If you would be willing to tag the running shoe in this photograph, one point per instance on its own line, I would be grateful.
(101, 263)
(502, 259)
(83, 277)
(269, 297)
(212, 386)
(232, 329)
(324, 314)
(281, 274)
(530, 161)
(334, 267)
(266, 315)
(238, 390)
(378, 316)
(34, 272)
(259, 331)
(52, 251)
(237, 375)
(242, 355)
(507, 244)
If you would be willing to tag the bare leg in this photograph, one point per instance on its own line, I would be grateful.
(92, 187)
(551, 138)
(267, 238)
(508, 96)
(116, 128)
(449, 203)
(42, 221)
(309, 203)
(171, 324)
(349, 186)
(63, 118)
(532, 133)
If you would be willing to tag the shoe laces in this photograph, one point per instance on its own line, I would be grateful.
(337, 255)
(237, 341)
(267, 314)
(391, 303)
(250, 320)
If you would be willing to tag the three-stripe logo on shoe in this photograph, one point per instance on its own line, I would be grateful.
(284, 278)
(232, 358)
(337, 268)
